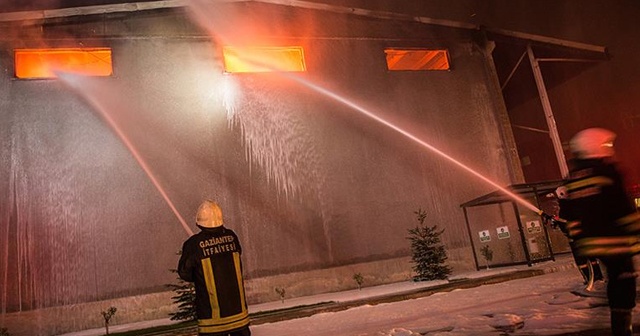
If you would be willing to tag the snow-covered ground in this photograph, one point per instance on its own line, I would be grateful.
(539, 305)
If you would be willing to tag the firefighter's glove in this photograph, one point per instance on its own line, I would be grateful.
(546, 218)
(551, 220)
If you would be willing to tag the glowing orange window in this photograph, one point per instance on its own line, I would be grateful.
(263, 59)
(417, 59)
(43, 63)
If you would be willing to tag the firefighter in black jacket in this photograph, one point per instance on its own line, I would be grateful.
(602, 221)
(211, 260)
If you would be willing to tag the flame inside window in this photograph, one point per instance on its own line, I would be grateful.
(417, 59)
(263, 59)
(43, 63)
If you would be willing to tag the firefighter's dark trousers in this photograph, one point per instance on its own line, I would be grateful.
(621, 286)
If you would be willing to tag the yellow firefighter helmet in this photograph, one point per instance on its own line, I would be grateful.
(209, 214)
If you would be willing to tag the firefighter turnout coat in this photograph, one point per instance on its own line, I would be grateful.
(211, 260)
(600, 216)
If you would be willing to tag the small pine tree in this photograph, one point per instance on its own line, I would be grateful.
(429, 255)
(185, 298)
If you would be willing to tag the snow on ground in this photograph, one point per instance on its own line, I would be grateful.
(541, 305)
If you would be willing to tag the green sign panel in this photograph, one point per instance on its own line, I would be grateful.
(485, 236)
(503, 232)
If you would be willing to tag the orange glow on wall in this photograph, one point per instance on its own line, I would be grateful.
(417, 59)
(42, 63)
(263, 59)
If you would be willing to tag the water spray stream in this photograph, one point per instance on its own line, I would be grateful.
(72, 81)
(220, 28)
(371, 115)
(352, 105)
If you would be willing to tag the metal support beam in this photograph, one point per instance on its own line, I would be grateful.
(544, 227)
(574, 60)
(473, 247)
(513, 71)
(548, 112)
(523, 238)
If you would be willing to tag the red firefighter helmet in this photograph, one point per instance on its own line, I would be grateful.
(593, 143)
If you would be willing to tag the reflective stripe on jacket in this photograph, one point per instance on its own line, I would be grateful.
(599, 215)
(211, 260)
